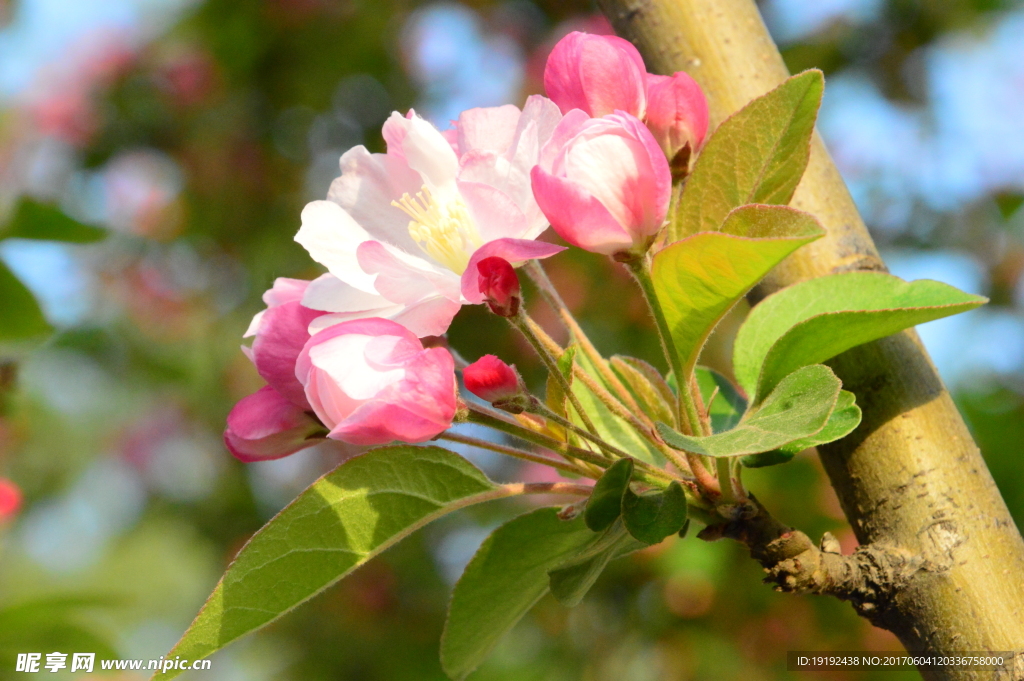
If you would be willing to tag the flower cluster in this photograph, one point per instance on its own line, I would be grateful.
(439, 221)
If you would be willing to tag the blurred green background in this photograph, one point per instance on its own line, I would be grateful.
(192, 132)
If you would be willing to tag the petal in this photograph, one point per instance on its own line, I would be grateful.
(331, 236)
(612, 76)
(487, 128)
(372, 326)
(570, 126)
(266, 426)
(281, 337)
(285, 290)
(677, 112)
(496, 215)
(513, 250)
(366, 188)
(331, 294)
(429, 153)
(577, 216)
(402, 278)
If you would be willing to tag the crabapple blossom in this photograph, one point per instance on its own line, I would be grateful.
(400, 232)
(499, 286)
(677, 112)
(370, 381)
(604, 183)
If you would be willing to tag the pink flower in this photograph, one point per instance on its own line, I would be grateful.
(372, 382)
(10, 499)
(266, 425)
(492, 380)
(603, 183)
(499, 285)
(599, 74)
(677, 112)
(400, 231)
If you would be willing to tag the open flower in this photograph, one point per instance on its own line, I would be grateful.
(603, 183)
(401, 232)
(370, 381)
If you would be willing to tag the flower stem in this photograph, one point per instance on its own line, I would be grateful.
(512, 451)
(689, 419)
(536, 272)
(522, 323)
(541, 409)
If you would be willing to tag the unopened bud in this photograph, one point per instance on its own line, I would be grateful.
(493, 381)
(499, 285)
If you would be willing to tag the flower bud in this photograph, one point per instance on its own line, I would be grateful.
(603, 183)
(267, 425)
(10, 499)
(599, 74)
(677, 112)
(492, 380)
(499, 285)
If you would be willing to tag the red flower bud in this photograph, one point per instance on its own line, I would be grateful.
(10, 499)
(499, 286)
(490, 379)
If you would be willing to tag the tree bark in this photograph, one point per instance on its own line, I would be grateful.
(910, 478)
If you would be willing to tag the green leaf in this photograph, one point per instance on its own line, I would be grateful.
(728, 406)
(610, 427)
(699, 279)
(652, 516)
(798, 408)
(757, 155)
(35, 220)
(845, 417)
(571, 581)
(20, 314)
(556, 398)
(341, 521)
(605, 503)
(816, 320)
(506, 577)
(647, 386)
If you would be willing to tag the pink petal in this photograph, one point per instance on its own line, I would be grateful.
(282, 335)
(265, 426)
(372, 326)
(496, 215)
(513, 250)
(677, 112)
(577, 216)
(400, 278)
(597, 74)
(285, 290)
(487, 128)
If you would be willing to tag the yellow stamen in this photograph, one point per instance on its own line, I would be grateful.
(443, 230)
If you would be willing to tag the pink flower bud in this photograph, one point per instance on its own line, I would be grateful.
(596, 73)
(372, 382)
(677, 112)
(499, 286)
(491, 380)
(603, 183)
(266, 425)
(10, 499)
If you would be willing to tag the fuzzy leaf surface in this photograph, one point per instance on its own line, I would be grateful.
(757, 155)
(341, 521)
(815, 320)
(798, 408)
(652, 516)
(844, 419)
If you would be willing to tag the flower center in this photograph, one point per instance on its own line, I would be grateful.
(443, 230)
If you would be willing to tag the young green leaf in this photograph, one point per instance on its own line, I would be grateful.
(605, 503)
(341, 521)
(35, 220)
(728, 407)
(845, 417)
(570, 581)
(610, 427)
(757, 155)
(506, 577)
(20, 314)
(555, 397)
(816, 320)
(647, 386)
(798, 408)
(699, 279)
(652, 516)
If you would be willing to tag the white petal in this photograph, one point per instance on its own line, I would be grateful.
(254, 325)
(429, 153)
(331, 236)
(330, 294)
(366, 188)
